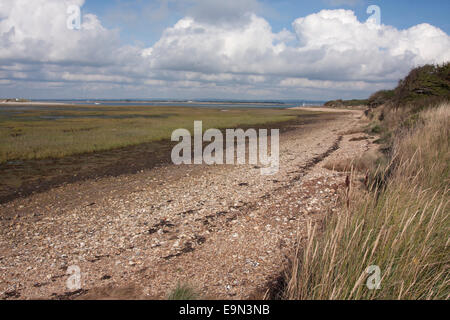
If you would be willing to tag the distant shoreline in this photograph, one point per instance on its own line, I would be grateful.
(33, 103)
(126, 102)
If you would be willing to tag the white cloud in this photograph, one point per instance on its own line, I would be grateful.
(332, 45)
(327, 53)
(195, 46)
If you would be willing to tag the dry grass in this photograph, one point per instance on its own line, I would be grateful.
(359, 138)
(356, 129)
(362, 164)
(402, 228)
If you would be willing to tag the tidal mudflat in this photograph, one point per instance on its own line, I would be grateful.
(42, 147)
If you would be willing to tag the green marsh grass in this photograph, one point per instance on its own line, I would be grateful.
(76, 130)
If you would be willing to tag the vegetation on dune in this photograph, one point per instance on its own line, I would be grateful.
(379, 98)
(401, 227)
(429, 81)
(346, 103)
(400, 222)
(393, 111)
(425, 85)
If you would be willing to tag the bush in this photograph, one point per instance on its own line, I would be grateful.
(346, 103)
(429, 81)
(380, 97)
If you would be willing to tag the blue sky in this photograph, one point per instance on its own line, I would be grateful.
(199, 49)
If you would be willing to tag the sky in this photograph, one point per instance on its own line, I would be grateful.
(215, 49)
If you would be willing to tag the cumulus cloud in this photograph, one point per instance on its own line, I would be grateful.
(37, 31)
(225, 51)
(37, 46)
(332, 44)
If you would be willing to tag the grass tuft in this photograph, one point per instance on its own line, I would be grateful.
(183, 292)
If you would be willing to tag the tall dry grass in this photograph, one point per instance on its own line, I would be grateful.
(402, 227)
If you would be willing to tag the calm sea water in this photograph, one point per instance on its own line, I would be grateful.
(195, 103)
